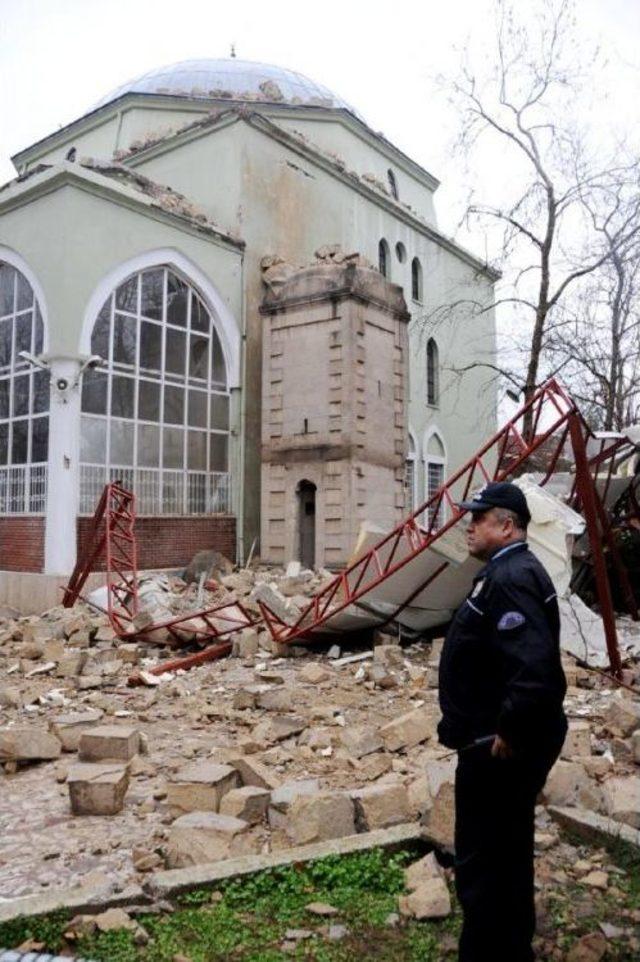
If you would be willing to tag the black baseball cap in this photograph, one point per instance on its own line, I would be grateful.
(499, 494)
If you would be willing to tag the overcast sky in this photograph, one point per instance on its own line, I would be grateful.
(57, 57)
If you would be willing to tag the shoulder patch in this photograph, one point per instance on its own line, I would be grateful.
(511, 619)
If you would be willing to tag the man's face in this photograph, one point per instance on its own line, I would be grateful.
(487, 532)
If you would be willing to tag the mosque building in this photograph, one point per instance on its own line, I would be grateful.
(216, 286)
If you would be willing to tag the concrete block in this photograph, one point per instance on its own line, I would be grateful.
(25, 744)
(430, 901)
(248, 803)
(315, 818)
(97, 789)
(360, 740)
(622, 799)
(380, 806)
(201, 837)
(68, 728)
(109, 742)
(254, 772)
(200, 787)
(578, 740)
(408, 730)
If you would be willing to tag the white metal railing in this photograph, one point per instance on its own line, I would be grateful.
(23, 489)
(159, 491)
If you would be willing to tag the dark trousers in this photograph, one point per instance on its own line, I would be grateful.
(495, 803)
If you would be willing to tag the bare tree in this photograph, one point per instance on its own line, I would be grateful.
(547, 241)
(599, 339)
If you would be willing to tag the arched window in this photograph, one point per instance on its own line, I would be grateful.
(393, 184)
(383, 258)
(416, 280)
(435, 462)
(157, 416)
(401, 252)
(433, 374)
(410, 476)
(24, 398)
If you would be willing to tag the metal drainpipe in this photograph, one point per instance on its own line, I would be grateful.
(240, 460)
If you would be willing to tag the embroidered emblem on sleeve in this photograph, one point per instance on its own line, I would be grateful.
(511, 619)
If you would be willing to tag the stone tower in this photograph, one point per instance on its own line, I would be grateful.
(334, 424)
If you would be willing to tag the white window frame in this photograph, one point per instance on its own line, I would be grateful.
(435, 460)
(153, 483)
(23, 485)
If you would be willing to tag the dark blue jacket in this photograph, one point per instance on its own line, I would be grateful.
(500, 669)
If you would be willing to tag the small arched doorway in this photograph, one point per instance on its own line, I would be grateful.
(306, 492)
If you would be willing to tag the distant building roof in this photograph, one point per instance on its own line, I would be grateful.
(234, 79)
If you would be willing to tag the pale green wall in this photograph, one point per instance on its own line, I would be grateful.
(281, 202)
(72, 239)
(363, 158)
(284, 204)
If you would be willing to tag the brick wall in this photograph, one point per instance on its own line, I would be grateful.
(22, 543)
(172, 542)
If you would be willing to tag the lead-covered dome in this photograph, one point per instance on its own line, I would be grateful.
(231, 79)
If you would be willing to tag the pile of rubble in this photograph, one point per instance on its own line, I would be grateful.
(272, 748)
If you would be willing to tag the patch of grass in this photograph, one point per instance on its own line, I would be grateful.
(48, 929)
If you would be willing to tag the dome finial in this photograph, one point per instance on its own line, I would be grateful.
(233, 50)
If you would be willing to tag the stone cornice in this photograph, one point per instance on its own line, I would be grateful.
(19, 193)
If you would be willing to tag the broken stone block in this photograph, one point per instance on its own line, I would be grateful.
(422, 871)
(316, 818)
(283, 797)
(248, 803)
(286, 726)
(569, 784)
(380, 806)
(623, 716)
(360, 740)
(245, 643)
(201, 837)
(23, 744)
(389, 656)
(201, 787)
(68, 728)
(440, 820)
(419, 796)
(407, 730)
(622, 799)
(596, 766)
(438, 771)
(97, 789)
(109, 742)
(277, 699)
(10, 698)
(244, 699)
(590, 948)
(382, 677)
(72, 664)
(253, 772)
(431, 900)
(314, 674)
(578, 740)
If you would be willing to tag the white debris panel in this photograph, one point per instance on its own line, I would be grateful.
(552, 531)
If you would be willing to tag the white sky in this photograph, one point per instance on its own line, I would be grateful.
(57, 57)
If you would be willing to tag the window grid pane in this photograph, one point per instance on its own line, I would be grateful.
(156, 424)
(24, 399)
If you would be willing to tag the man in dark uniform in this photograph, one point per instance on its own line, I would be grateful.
(501, 692)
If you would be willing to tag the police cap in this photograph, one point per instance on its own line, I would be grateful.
(499, 494)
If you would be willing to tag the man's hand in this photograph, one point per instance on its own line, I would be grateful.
(500, 748)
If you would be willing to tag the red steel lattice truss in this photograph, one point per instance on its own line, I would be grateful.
(113, 538)
(548, 423)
